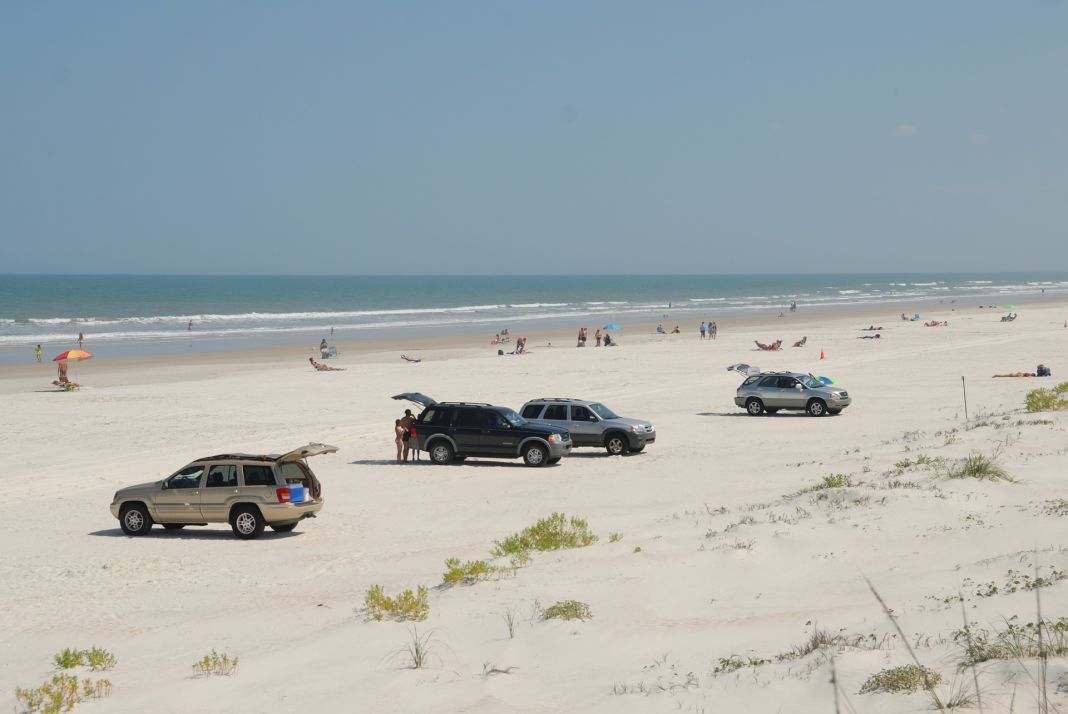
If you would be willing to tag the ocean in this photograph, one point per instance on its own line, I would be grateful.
(124, 315)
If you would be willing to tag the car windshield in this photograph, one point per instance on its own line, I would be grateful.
(602, 411)
(512, 418)
(811, 382)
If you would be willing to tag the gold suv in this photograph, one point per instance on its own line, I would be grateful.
(244, 490)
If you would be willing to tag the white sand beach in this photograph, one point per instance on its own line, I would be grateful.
(722, 551)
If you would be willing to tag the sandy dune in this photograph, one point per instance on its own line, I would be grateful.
(733, 560)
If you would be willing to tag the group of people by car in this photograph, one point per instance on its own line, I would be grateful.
(402, 431)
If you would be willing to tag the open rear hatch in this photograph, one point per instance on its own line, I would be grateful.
(416, 398)
(304, 452)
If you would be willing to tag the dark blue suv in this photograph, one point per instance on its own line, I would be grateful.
(453, 431)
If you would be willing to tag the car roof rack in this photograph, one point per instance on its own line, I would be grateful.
(241, 457)
(462, 404)
(557, 399)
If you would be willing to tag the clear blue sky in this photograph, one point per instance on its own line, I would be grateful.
(506, 137)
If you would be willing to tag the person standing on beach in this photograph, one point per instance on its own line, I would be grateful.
(597, 336)
(37, 352)
(712, 331)
(81, 340)
(406, 422)
(189, 326)
(702, 330)
(398, 438)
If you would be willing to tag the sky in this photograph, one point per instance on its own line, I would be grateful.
(533, 138)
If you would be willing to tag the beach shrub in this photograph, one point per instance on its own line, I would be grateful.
(215, 664)
(553, 533)
(470, 572)
(1057, 507)
(69, 658)
(979, 467)
(1031, 640)
(726, 665)
(61, 693)
(567, 610)
(907, 678)
(1046, 400)
(96, 659)
(615, 537)
(405, 606)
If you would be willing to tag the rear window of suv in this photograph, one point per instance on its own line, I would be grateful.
(556, 411)
(531, 411)
(258, 475)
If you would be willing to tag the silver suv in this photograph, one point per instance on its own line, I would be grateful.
(591, 424)
(245, 490)
(771, 391)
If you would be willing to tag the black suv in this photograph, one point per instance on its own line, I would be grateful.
(452, 431)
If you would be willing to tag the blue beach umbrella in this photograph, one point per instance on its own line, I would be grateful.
(611, 326)
(827, 380)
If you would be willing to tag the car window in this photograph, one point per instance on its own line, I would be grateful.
(222, 476)
(292, 472)
(769, 382)
(465, 417)
(811, 382)
(556, 411)
(750, 380)
(602, 411)
(531, 411)
(435, 416)
(787, 382)
(513, 418)
(258, 475)
(491, 420)
(580, 414)
(188, 477)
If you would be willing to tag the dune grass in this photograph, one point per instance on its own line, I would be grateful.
(405, 606)
(556, 532)
(906, 678)
(978, 466)
(1047, 400)
(567, 610)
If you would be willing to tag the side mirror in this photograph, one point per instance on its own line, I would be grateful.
(163, 486)
(592, 417)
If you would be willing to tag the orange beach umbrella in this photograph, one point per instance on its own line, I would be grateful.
(73, 356)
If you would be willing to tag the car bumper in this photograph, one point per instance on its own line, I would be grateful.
(115, 508)
(638, 441)
(289, 512)
(837, 404)
(740, 401)
(559, 450)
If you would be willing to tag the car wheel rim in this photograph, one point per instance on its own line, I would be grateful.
(616, 446)
(754, 408)
(134, 520)
(535, 456)
(246, 523)
(441, 453)
(816, 409)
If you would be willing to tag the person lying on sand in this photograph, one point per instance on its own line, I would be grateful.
(801, 342)
(936, 323)
(870, 328)
(406, 358)
(1016, 374)
(773, 347)
(869, 337)
(324, 367)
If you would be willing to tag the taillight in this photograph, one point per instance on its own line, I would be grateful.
(283, 495)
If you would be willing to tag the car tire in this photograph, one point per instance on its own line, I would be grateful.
(774, 410)
(173, 526)
(286, 528)
(616, 444)
(754, 406)
(637, 449)
(834, 412)
(247, 522)
(817, 408)
(535, 455)
(554, 461)
(135, 520)
(441, 453)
